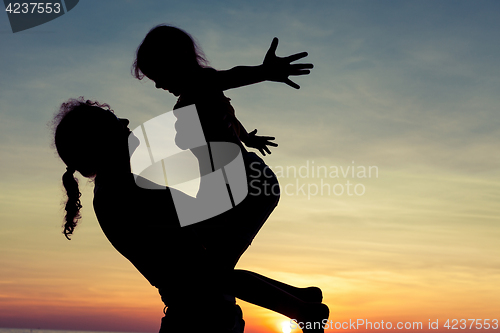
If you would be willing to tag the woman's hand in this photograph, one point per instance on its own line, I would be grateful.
(278, 69)
(260, 142)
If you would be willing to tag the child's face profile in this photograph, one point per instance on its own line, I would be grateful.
(170, 79)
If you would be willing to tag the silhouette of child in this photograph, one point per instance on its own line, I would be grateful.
(173, 61)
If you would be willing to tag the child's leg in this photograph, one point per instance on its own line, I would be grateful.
(250, 288)
(309, 294)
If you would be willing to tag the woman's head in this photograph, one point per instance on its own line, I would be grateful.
(90, 139)
(87, 134)
(167, 55)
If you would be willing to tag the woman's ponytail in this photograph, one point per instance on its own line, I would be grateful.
(81, 129)
(73, 205)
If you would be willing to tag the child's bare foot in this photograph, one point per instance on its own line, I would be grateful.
(313, 318)
(310, 294)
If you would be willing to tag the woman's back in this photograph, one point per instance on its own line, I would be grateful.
(142, 225)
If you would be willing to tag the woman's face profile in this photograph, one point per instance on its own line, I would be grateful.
(133, 141)
(116, 130)
(124, 122)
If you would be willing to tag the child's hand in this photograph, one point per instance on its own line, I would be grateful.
(260, 142)
(278, 69)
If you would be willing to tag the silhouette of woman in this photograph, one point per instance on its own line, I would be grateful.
(192, 266)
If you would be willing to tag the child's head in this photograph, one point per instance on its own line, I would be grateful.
(167, 52)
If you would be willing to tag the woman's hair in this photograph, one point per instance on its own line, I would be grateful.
(78, 127)
(167, 45)
(73, 204)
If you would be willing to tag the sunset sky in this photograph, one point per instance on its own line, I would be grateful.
(408, 88)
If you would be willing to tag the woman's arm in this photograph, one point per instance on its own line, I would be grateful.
(274, 68)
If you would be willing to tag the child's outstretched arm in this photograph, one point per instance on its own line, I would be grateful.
(274, 68)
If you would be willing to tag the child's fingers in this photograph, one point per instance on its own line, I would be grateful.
(300, 72)
(301, 66)
(272, 49)
(296, 56)
(292, 84)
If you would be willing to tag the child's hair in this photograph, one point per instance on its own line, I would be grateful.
(167, 45)
(74, 126)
